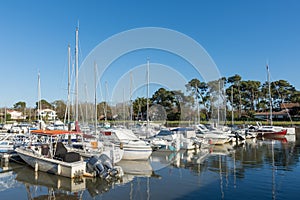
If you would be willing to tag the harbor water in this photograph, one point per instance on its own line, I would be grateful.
(255, 169)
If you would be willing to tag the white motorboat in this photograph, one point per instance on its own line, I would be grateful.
(49, 155)
(134, 148)
(175, 139)
(213, 137)
(57, 125)
(6, 145)
(10, 141)
(165, 140)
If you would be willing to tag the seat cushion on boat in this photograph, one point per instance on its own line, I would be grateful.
(61, 150)
(71, 157)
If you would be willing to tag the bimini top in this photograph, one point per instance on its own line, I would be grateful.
(53, 132)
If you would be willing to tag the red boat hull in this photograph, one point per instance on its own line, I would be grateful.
(272, 134)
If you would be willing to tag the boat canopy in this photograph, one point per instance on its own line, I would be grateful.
(54, 132)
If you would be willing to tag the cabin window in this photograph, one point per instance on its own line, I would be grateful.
(106, 132)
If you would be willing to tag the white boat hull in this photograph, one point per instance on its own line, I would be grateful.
(132, 152)
(53, 166)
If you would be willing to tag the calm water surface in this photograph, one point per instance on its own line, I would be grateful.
(254, 170)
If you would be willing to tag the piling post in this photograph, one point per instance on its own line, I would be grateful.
(36, 167)
(4, 159)
(297, 136)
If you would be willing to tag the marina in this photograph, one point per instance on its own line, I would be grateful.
(264, 169)
(145, 100)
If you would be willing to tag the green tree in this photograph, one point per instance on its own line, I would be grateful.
(44, 104)
(164, 98)
(282, 91)
(235, 81)
(199, 91)
(295, 97)
(168, 100)
(104, 110)
(249, 91)
(20, 106)
(60, 108)
(140, 108)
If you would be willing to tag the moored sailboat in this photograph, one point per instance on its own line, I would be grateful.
(270, 131)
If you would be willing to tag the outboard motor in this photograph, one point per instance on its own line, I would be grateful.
(238, 136)
(107, 164)
(102, 165)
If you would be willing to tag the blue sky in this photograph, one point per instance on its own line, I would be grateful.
(240, 36)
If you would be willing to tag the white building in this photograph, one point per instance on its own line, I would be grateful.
(14, 115)
(47, 113)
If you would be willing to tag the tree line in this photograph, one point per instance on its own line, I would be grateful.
(244, 97)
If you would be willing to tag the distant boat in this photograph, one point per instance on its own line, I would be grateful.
(10, 141)
(269, 131)
(175, 139)
(6, 146)
(165, 140)
(213, 137)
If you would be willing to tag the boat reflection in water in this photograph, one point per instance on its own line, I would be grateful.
(51, 186)
(56, 187)
(136, 168)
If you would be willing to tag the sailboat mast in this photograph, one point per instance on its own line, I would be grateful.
(232, 114)
(219, 96)
(76, 75)
(270, 96)
(105, 105)
(197, 102)
(39, 97)
(131, 109)
(5, 113)
(69, 80)
(148, 79)
(124, 112)
(95, 68)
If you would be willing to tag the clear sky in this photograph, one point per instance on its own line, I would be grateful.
(240, 36)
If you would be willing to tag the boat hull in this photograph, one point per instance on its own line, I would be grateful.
(277, 134)
(53, 166)
(217, 141)
(136, 153)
